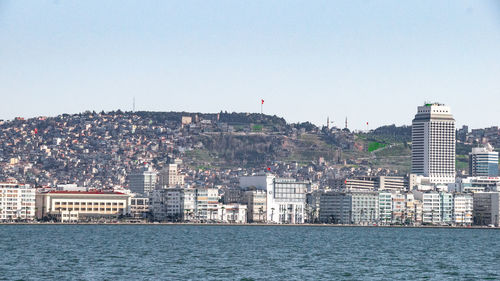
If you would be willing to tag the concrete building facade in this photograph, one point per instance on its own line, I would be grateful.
(487, 208)
(350, 207)
(256, 201)
(433, 143)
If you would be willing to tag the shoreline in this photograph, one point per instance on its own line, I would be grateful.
(255, 224)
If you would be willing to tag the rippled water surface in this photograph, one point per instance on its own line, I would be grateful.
(173, 252)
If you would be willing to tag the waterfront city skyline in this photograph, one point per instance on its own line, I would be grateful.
(308, 61)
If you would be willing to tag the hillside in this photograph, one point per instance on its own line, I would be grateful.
(101, 149)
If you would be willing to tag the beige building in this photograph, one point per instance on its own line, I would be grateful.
(81, 206)
(186, 120)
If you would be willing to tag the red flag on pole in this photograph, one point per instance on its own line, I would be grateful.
(262, 101)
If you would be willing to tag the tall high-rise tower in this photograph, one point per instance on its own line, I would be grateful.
(433, 143)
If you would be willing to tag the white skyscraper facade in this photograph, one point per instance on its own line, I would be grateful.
(433, 143)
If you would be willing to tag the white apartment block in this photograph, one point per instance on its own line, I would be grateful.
(17, 202)
(431, 206)
(463, 206)
(385, 202)
(170, 177)
(433, 143)
(207, 204)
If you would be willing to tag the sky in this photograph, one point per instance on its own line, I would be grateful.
(369, 61)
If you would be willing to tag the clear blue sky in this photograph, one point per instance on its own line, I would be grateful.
(372, 61)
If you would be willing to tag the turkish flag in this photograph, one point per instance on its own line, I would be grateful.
(262, 101)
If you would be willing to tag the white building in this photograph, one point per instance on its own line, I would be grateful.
(385, 199)
(232, 213)
(169, 176)
(431, 206)
(286, 198)
(483, 161)
(17, 202)
(143, 181)
(207, 204)
(180, 203)
(433, 143)
(463, 205)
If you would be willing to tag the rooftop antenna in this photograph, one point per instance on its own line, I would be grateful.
(346, 122)
(133, 104)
